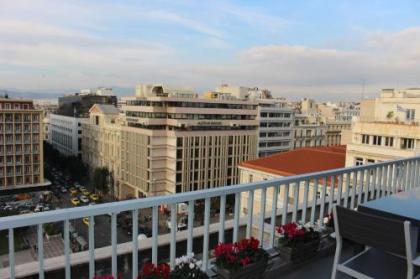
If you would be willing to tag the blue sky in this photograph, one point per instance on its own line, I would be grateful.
(320, 49)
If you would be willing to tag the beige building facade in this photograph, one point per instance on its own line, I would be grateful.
(172, 141)
(388, 128)
(101, 141)
(335, 130)
(21, 148)
(309, 132)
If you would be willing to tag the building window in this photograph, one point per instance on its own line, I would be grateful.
(370, 161)
(251, 178)
(365, 139)
(377, 140)
(359, 161)
(407, 143)
(410, 114)
(389, 141)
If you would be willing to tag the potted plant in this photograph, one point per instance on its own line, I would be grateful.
(152, 271)
(106, 276)
(329, 225)
(244, 259)
(51, 231)
(298, 243)
(187, 267)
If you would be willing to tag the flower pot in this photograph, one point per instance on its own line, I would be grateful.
(301, 252)
(251, 271)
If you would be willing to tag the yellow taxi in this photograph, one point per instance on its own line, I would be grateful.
(86, 221)
(73, 191)
(75, 201)
(86, 193)
(94, 197)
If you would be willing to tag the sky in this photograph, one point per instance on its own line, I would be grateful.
(327, 50)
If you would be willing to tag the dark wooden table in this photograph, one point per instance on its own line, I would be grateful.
(402, 206)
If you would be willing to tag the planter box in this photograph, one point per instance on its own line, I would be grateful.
(251, 271)
(53, 236)
(300, 253)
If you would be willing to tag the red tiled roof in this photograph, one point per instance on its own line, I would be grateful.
(300, 161)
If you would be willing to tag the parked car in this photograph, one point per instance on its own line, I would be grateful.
(84, 199)
(86, 221)
(75, 201)
(39, 208)
(73, 191)
(85, 193)
(63, 190)
(94, 197)
(7, 207)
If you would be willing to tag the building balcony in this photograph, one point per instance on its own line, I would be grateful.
(232, 222)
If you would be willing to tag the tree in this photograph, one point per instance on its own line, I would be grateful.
(71, 164)
(100, 179)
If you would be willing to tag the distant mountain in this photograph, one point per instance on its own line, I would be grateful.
(119, 91)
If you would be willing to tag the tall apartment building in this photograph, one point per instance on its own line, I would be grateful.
(21, 149)
(309, 131)
(388, 128)
(276, 118)
(101, 141)
(276, 127)
(65, 128)
(65, 134)
(172, 141)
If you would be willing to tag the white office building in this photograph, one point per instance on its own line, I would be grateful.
(276, 132)
(65, 134)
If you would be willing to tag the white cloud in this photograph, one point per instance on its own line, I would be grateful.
(60, 48)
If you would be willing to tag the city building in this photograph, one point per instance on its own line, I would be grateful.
(309, 131)
(78, 104)
(338, 118)
(388, 128)
(101, 141)
(276, 131)
(64, 126)
(172, 141)
(46, 129)
(334, 131)
(65, 134)
(21, 149)
(301, 161)
(276, 118)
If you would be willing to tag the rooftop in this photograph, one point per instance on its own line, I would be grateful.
(291, 163)
(105, 109)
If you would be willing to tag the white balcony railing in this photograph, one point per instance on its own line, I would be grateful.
(350, 187)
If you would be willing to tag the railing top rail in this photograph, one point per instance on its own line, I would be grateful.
(120, 206)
